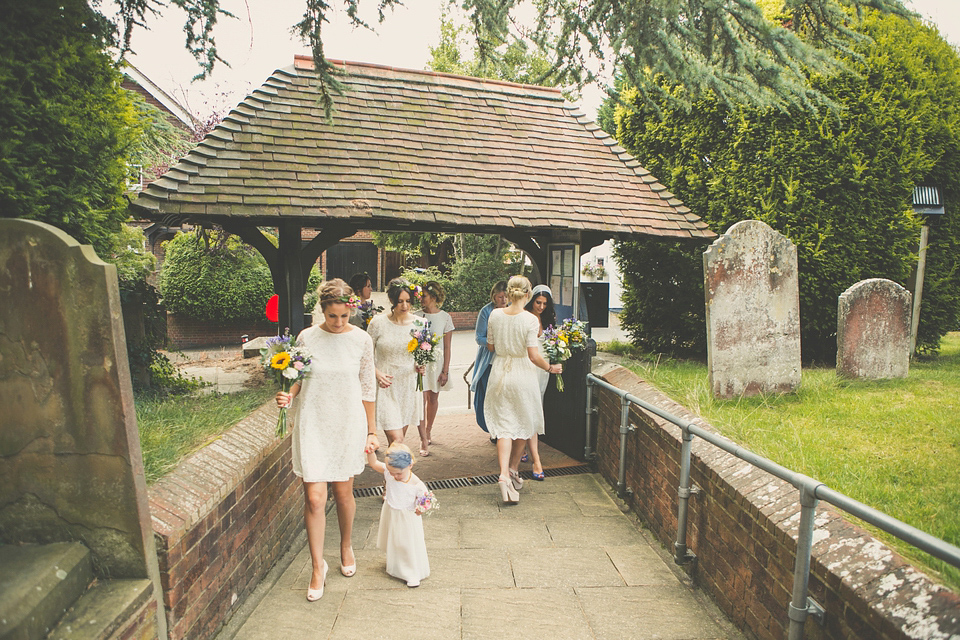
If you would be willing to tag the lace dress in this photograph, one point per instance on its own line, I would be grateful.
(513, 407)
(400, 534)
(441, 324)
(400, 404)
(330, 424)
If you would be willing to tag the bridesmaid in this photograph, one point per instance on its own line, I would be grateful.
(481, 366)
(333, 423)
(399, 404)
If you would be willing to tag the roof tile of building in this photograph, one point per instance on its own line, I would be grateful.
(417, 150)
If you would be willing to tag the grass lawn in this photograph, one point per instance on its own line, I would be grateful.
(891, 444)
(176, 426)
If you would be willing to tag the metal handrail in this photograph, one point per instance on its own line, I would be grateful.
(811, 491)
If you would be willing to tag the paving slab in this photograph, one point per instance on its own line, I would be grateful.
(565, 563)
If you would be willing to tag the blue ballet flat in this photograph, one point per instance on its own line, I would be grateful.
(524, 458)
(538, 476)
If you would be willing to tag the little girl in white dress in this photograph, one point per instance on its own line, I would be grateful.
(401, 527)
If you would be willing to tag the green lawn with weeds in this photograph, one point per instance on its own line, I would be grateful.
(891, 444)
(172, 427)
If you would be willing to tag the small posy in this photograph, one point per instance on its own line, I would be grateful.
(286, 359)
(426, 503)
(421, 345)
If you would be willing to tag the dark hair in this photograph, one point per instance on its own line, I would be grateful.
(358, 281)
(549, 316)
(397, 286)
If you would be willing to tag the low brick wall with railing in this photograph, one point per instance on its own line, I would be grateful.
(743, 528)
(221, 520)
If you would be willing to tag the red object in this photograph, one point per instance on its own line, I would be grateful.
(273, 308)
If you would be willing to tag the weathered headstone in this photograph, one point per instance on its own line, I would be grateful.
(753, 312)
(873, 330)
(70, 462)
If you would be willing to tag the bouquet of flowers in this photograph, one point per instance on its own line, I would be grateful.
(559, 343)
(289, 363)
(422, 345)
(367, 310)
(426, 503)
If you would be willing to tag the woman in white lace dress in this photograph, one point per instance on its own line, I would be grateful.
(437, 377)
(399, 404)
(513, 408)
(333, 423)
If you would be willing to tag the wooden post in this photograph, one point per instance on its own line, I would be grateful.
(918, 288)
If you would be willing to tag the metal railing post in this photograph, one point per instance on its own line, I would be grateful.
(624, 430)
(587, 450)
(681, 555)
(799, 607)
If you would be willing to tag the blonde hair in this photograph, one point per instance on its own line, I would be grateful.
(332, 292)
(518, 288)
(434, 289)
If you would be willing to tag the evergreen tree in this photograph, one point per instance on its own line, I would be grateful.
(66, 126)
(838, 186)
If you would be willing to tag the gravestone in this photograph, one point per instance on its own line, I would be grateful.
(752, 312)
(70, 462)
(873, 330)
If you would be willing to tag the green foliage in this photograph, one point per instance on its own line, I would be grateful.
(159, 143)
(172, 428)
(215, 279)
(890, 444)
(129, 255)
(470, 281)
(838, 187)
(311, 297)
(66, 126)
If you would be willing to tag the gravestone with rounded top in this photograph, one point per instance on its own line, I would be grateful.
(70, 462)
(873, 330)
(752, 311)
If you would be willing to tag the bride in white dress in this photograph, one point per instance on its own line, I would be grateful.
(333, 423)
(513, 408)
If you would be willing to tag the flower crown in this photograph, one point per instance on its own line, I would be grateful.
(351, 301)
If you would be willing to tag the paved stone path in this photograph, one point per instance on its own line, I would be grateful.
(565, 563)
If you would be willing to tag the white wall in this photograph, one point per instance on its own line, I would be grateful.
(605, 252)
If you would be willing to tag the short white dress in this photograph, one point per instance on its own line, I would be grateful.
(329, 421)
(441, 324)
(544, 376)
(400, 404)
(513, 407)
(401, 530)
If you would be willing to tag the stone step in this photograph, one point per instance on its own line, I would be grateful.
(103, 610)
(38, 583)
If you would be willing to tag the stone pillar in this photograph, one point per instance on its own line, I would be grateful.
(70, 462)
(753, 312)
(873, 330)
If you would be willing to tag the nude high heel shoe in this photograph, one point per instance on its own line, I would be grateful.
(516, 480)
(508, 493)
(315, 594)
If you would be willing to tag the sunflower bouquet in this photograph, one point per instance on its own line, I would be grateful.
(422, 345)
(289, 363)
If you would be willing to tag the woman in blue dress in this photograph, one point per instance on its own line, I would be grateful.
(481, 366)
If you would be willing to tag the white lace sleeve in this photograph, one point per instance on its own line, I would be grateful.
(368, 374)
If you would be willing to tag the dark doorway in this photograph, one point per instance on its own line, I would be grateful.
(345, 259)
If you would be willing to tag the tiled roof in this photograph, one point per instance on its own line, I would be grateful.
(416, 150)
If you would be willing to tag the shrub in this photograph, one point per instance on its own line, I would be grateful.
(214, 278)
(470, 281)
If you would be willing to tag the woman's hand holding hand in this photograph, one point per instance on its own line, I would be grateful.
(384, 380)
(373, 443)
(284, 399)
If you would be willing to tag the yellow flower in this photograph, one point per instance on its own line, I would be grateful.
(280, 361)
(412, 345)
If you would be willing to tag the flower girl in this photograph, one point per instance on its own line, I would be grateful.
(401, 528)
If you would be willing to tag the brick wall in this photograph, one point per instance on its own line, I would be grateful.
(142, 625)
(221, 520)
(743, 530)
(183, 333)
(464, 319)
